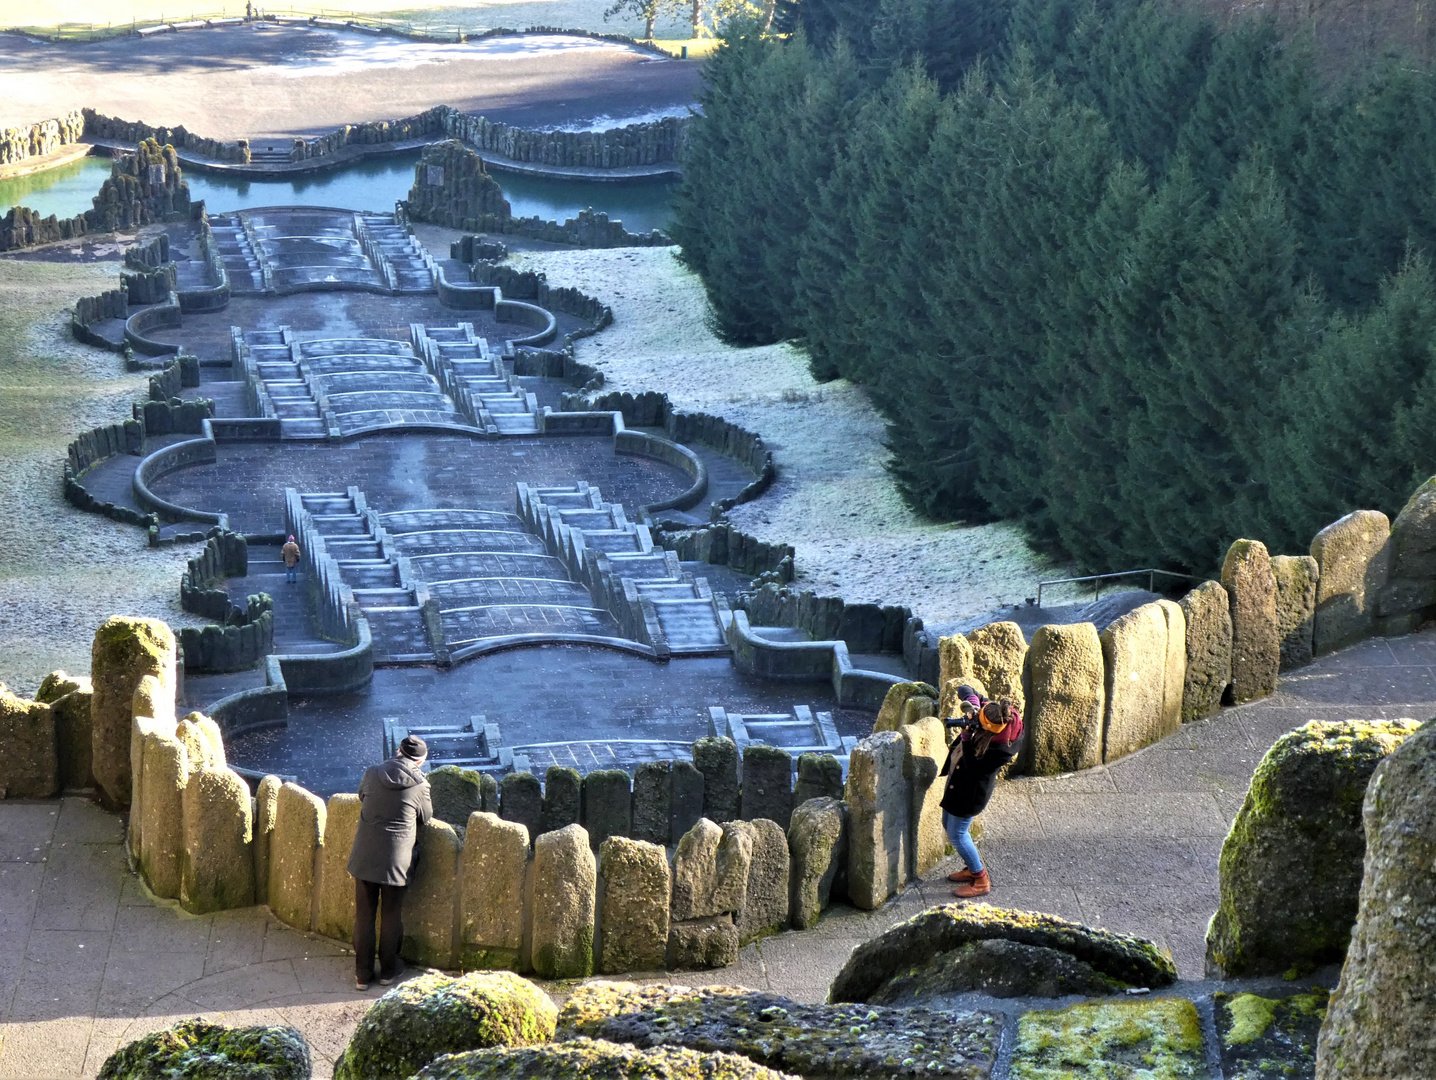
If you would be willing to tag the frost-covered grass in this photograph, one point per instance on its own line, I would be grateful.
(62, 571)
(834, 499)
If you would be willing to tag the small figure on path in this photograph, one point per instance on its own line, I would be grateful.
(987, 741)
(394, 806)
(290, 553)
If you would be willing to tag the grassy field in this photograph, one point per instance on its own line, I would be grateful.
(81, 17)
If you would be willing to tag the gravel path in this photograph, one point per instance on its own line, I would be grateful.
(62, 571)
(834, 500)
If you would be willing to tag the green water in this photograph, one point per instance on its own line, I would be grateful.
(371, 185)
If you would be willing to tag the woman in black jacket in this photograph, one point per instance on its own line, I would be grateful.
(971, 769)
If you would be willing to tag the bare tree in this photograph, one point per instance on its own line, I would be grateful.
(648, 10)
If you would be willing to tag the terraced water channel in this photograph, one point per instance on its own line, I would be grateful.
(503, 570)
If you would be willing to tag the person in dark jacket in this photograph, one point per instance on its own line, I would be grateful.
(972, 765)
(394, 807)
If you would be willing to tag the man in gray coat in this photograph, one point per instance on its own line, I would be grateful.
(394, 807)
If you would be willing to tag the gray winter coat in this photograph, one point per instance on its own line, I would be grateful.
(394, 806)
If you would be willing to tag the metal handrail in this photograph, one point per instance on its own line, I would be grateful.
(1097, 580)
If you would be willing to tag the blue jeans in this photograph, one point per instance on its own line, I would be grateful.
(291, 573)
(957, 831)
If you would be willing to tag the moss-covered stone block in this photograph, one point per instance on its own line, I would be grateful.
(1208, 614)
(1300, 823)
(29, 749)
(565, 882)
(999, 652)
(70, 700)
(493, 885)
(1134, 650)
(1068, 699)
(1353, 556)
(294, 845)
(1296, 579)
(434, 1014)
(432, 898)
(1128, 959)
(583, 1059)
(954, 660)
(903, 702)
(125, 650)
(196, 1050)
(1256, 643)
(1382, 1019)
(165, 764)
(335, 917)
(217, 873)
(456, 793)
(266, 805)
(634, 881)
(1262, 1038)
(998, 968)
(817, 847)
(809, 1040)
(1160, 1039)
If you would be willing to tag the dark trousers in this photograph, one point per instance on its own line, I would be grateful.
(367, 902)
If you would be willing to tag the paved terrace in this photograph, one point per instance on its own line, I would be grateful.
(88, 961)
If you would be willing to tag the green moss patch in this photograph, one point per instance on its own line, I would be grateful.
(437, 1014)
(195, 1050)
(1155, 1039)
(1270, 1038)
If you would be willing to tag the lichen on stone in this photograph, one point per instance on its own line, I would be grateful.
(811, 1040)
(438, 1014)
(196, 1050)
(1153, 1039)
(585, 1059)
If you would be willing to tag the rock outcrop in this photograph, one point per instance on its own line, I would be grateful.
(434, 1014)
(1300, 824)
(195, 1048)
(998, 968)
(584, 1059)
(810, 1040)
(943, 929)
(1382, 1019)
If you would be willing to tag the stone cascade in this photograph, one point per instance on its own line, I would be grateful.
(800, 732)
(236, 253)
(395, 252)
(338, 529)
(476, 379)
(332, 388)
(653, 599)
(440, 586)
(475, 746)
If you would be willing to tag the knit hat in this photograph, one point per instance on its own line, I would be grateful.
(414, 748)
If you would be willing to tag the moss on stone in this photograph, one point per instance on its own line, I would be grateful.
(196, 1050)
(811, 1040)
(1269, 1038)
(1131, 960)
(1251, 1016)
(1301, 822)
(437, 1014)
(585, 1059)
(1156, 1039)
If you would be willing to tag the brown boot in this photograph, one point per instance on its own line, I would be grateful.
(961, 877)
(980, 885)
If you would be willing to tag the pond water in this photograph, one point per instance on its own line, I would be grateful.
(371, 185)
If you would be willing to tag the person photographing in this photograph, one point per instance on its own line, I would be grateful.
(987, 740)
(395, 805)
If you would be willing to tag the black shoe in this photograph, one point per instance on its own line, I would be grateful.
(398, 973)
